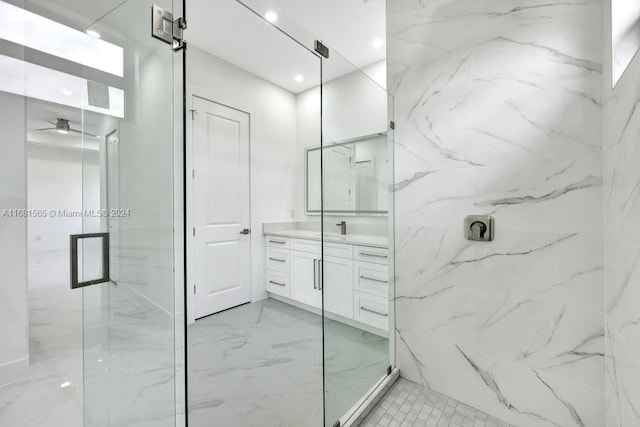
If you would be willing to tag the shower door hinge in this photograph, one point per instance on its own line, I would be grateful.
(392, 124)
(167, 29)
(194, 289)
(322, 49)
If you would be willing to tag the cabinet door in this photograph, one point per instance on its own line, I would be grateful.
(305, 278)
(338, 286)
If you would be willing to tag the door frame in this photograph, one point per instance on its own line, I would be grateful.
(190, 93)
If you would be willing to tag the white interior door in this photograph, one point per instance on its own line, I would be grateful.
(221, 203)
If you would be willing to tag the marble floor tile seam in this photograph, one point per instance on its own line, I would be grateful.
(410, 404)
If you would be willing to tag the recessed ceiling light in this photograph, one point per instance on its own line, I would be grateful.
(378, 43)
(67, 92)
(93, 33)
(271, 16)
(65, 384)
(299, 78)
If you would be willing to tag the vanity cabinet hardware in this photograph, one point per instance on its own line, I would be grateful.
(363, 308)
(373, 279)
(277, 259)
(373, 255)
(277, 283)
(279, 242)
(320, 268)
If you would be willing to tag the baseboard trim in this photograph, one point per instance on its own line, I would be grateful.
(160, 313)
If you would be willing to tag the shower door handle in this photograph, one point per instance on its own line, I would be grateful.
(73, 246)
(315, 274)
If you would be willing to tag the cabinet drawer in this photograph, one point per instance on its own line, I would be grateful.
(372, 310)
(338, 250)
(277, 260)
(278, 242)
(309, 246)
(371, 254)
(278, 283)
(371, 278)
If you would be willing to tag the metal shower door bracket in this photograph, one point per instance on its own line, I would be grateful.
(167, 29)
(321, 49)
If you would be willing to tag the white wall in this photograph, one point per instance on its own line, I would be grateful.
(144, 261)
(56, 179)
(273, 142)
(622, 240)
(14, 343)
(354, 105)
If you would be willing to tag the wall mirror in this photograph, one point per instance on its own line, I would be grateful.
(355, 177)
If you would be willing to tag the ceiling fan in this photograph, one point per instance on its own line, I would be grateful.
(62, 126)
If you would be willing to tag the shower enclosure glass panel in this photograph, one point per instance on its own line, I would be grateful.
(128, 182)
(87, 125)
(254, 336)
(356, 199)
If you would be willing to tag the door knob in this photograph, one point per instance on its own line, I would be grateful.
(246, 231)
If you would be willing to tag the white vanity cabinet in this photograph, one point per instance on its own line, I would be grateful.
(356, 278)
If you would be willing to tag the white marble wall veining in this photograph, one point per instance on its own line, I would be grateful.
(622, 242)
(498, 111)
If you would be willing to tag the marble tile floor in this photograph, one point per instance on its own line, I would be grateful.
(260, 364)
(410, 404)
(127, 361)
(55, 347)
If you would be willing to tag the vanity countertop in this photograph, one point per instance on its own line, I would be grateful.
(352, 239)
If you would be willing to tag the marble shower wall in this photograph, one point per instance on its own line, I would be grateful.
(622, 244)
(498, 111)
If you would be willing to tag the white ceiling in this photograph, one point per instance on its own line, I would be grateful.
(78, 14)
(227, 29)
(40, 114)
(348, 26)
(231, 31)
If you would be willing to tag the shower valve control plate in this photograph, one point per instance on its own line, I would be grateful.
(479, 228)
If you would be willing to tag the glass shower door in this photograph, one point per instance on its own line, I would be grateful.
(357, 266)
(125, 256)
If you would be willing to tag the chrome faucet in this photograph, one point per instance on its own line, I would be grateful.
(343, 227)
